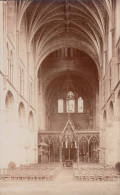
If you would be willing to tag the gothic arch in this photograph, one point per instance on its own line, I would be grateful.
(68, 43)
(93, 149)
(9, 100)
(42, 23)
(83, 144)
(9, 106)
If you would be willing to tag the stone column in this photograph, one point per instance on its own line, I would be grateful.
(2, 33)
(107, 143)
(60, 152)
(116, 139)
(41, 107)
(76, 105)
(78, 160)
(97, 113)
(102, 145)
(65, 108)
(111, 137)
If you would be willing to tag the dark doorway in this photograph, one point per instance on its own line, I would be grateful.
(69, 152)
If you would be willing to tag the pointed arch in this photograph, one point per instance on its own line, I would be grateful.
(9, 100)
(9, 105)
(94, 149)
(83, 149)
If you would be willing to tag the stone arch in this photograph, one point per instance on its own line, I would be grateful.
(93, 149)
(46, 140)
(21, 114)
(9, 105)
(69, 44)
(83, 149)
(10, 128)
(9, 100)
(31, 121)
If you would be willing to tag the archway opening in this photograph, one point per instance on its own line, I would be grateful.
(9, 105)
(83, 150)
(94, 150)
(62, 74)
(68, 90)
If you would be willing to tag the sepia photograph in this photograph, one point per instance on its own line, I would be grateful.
(59, 97)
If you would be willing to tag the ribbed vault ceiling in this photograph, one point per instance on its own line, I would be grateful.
(55, 72)
(52, 24)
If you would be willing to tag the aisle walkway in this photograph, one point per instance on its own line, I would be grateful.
(64, 184)
(66, 175)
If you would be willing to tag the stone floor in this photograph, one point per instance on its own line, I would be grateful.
(64, 184)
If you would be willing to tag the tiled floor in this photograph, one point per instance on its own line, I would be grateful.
(64, 184)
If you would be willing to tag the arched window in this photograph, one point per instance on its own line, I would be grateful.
(70, 102)
(9, 105)
(60, 106)
(80, 105)
(9, 100)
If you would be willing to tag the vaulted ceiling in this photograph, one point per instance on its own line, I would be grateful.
(52, 24)
(58, 71)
